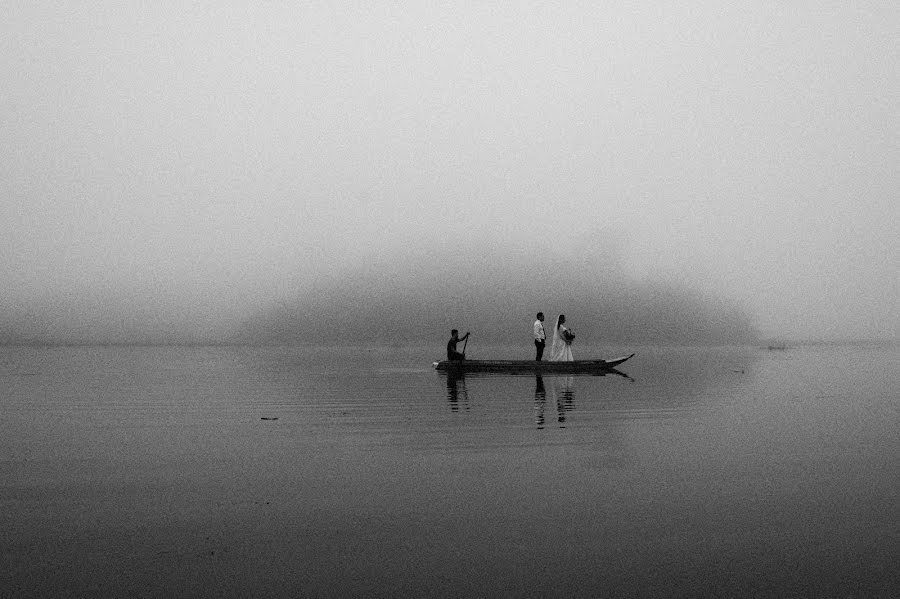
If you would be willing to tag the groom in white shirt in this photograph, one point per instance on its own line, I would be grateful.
(539, 337)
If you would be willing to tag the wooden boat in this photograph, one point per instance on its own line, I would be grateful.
(529, 366)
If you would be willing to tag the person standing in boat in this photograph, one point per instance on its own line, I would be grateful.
(452, 354)
(561, 349)
(540, 338)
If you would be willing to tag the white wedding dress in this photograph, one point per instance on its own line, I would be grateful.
(560, 351)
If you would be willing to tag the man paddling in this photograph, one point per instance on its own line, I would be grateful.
(452, 354)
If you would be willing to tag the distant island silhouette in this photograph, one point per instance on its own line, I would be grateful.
(497, 302)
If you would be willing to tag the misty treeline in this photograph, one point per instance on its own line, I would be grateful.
(497, 298)
(494, 295)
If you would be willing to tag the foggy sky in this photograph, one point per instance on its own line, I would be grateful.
(172, 171)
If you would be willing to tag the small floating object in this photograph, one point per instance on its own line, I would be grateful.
(268, 418)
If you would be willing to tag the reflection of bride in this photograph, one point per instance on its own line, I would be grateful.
(564, 396)
(561, 349)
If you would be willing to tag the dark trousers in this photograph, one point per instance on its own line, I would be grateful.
(539, 350)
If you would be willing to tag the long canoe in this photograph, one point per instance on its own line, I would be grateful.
(525, 366)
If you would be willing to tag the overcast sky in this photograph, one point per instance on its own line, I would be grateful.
(176, 164)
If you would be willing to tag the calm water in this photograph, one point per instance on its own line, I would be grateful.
(161, 471)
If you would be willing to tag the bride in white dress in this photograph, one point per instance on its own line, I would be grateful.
(561, 349)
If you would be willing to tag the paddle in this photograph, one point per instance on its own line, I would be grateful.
(465, 343)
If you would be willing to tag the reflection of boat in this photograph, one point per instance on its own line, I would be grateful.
(530, 366)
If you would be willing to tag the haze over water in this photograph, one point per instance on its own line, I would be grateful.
(159, 471)
(238, 185)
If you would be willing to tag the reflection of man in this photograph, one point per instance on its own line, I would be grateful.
(456, 390)
(540, 338)
(452, 354)
(540, 397)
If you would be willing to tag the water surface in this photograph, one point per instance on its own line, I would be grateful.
(238, 471)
